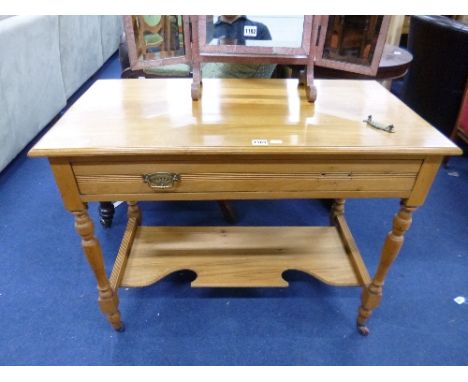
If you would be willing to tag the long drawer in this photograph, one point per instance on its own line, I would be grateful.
(246, 176)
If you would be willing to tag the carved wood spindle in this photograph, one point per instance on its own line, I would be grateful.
(108, 299)
(133, 211)
(372, 295)
(338, 208)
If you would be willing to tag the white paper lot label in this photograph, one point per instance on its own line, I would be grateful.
(250, 31)
(260, 142)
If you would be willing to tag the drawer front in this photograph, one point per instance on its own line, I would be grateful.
(380, 175)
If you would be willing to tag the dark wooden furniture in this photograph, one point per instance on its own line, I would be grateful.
(436, 79)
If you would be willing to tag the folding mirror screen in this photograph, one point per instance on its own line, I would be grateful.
(350, 43)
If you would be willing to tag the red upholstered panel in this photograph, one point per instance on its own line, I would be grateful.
(463, 123)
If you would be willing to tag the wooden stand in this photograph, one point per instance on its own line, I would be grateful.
(238, 256)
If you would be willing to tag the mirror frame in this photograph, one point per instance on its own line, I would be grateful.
(138, 64)
(370, 70)
(304, 55)
(261, 52)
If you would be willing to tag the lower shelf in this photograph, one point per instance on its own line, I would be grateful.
(238, 256)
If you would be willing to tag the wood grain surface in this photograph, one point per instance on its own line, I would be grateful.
(157, 116)
(238, 256)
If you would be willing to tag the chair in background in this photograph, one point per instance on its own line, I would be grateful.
(158, 36)
(436, 79)
(149, 32)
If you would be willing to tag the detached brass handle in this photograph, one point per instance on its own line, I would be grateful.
(161, 180)
(379, 126)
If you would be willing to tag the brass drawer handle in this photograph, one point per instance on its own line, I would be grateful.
(379, 126)
(161, 180)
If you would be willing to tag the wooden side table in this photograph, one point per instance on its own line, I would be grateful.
(138, 140)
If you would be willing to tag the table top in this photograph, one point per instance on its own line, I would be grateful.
(238, 116)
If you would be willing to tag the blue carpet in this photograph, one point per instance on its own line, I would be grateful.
(49, 314)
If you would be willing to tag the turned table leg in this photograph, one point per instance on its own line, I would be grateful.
(372, 295)
(108, 299)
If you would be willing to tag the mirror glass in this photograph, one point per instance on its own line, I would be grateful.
(352, 38)
(255, 30)
(158, 36)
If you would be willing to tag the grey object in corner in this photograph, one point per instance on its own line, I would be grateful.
(31, 85)
(80, 50)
